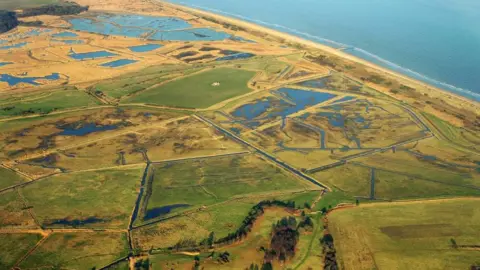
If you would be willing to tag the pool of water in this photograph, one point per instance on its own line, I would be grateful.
(194, 34)
(160, 211)
(295, 100)
(119, 63)
(91, 55)
(76, 222)
(14, 46)
(69, 41)
(235, 56)
(155, 28)
(65, 34)
(145, 48)
(252, 110)
(84, 129)
(13, 80)
(5, 63)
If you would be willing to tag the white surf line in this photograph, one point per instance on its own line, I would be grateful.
(342, 45)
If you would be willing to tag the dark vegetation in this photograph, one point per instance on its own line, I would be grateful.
(284, 239)
(322, 60)
(328, 249)
(64, 8)
(201, 57)
(8, 21)
(185, 54)
(225, 24)
(239, 234)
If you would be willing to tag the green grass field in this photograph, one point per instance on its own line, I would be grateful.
(108, 195)
(9, 178)
(78, 251)
(196, 91)
(220, 219)
(212, 180)
(446, 180)
(45, 102)
(13, 246)
(458, 136)
(12, 212)
(413, 235)
(351, 179)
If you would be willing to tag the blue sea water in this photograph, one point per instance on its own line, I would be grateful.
(436, 41)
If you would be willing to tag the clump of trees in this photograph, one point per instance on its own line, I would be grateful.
(237, 235)
(64, 8)
(284, 239)
(142, 264)
(8, 20)
(328, 248)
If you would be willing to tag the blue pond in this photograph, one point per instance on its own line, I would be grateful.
(85, 129)
(12, 80)
(155, 28)
(145, 48)
(91, 55)
(5, 63)
(235, 56)
(119, 63)
(14, 46)
(69, 41)
(64, 35)
(194, 34)
(160, 211)
(298, 100)
(76, 222)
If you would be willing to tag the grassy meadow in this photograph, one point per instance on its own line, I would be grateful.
(106, 195)
(14, 245)
(412, 235)
(78, 251)
(45, 102)
(197, 91)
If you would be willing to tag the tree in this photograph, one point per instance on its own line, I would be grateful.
(267, 266)
(357, 202)
(307, 205)
(454, 243)
(211, 239)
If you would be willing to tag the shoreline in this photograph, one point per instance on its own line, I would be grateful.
(338, 53)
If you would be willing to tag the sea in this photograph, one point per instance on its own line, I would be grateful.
(435, 41)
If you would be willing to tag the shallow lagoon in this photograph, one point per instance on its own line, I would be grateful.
(69, 41)
(119, 63)
(84, 129)
(145, 48)
(64, 35)
(160, 211)
(155, 28)
(14, 46)
(235, 56)
(194, 34)
(293, 100)
(91, 55)
(13, 80)
(5, 63)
